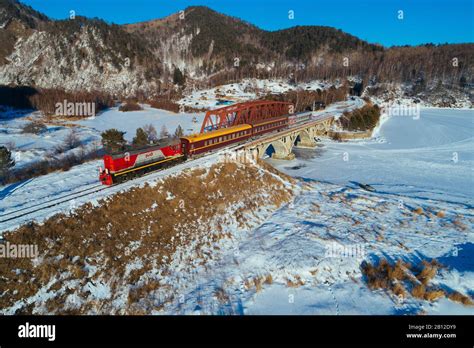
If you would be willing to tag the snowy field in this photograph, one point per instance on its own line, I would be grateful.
(410, 164)
(28, 148)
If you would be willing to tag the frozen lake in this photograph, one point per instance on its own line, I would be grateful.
(429, 157)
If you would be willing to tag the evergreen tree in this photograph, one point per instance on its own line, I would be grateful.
(141, 138)
(178, 77)
(113, 140)
(6, 162)
(178, 133)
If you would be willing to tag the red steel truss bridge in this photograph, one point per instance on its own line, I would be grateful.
(242, 113)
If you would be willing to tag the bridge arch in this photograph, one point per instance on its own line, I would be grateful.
(303, 138)
(276, 149)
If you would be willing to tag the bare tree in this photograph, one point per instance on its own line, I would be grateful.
(151, 133)
(164, 132)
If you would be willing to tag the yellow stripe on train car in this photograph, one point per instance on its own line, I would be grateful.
(217, 133)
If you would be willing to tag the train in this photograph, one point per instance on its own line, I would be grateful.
(124, 166)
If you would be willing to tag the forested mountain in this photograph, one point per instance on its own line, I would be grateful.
(199, 45)
(73, 54)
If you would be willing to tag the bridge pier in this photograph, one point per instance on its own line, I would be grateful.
(286, 157)
(307, 144)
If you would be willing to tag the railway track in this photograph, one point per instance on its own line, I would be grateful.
(16, 214)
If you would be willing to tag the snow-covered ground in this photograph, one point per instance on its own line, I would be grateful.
(129, 121)
(291, 263)
(295, 256)
(247, 89)
(28, 148)
(429, 157)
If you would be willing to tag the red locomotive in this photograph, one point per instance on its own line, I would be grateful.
(124, 166)
(121, 167)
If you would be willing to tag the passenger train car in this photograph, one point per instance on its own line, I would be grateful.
(196, 144)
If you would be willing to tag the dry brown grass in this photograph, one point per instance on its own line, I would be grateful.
(295, 282)
(433, 295)
(459, 224)
(458, 297)
(100, 235)
(419, 291)
(428, 271)
(398, 277)
(441, 214)
(418, 211)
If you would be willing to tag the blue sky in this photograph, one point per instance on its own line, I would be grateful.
(376, 21)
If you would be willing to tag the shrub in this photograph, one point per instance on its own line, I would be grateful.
(130, 106)
(458, 297)
(164, 132)
(72, 140)
(178, 77)
(151, 133)
(113, 140)
(35, 127)
(362, 119)
(165, 104)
